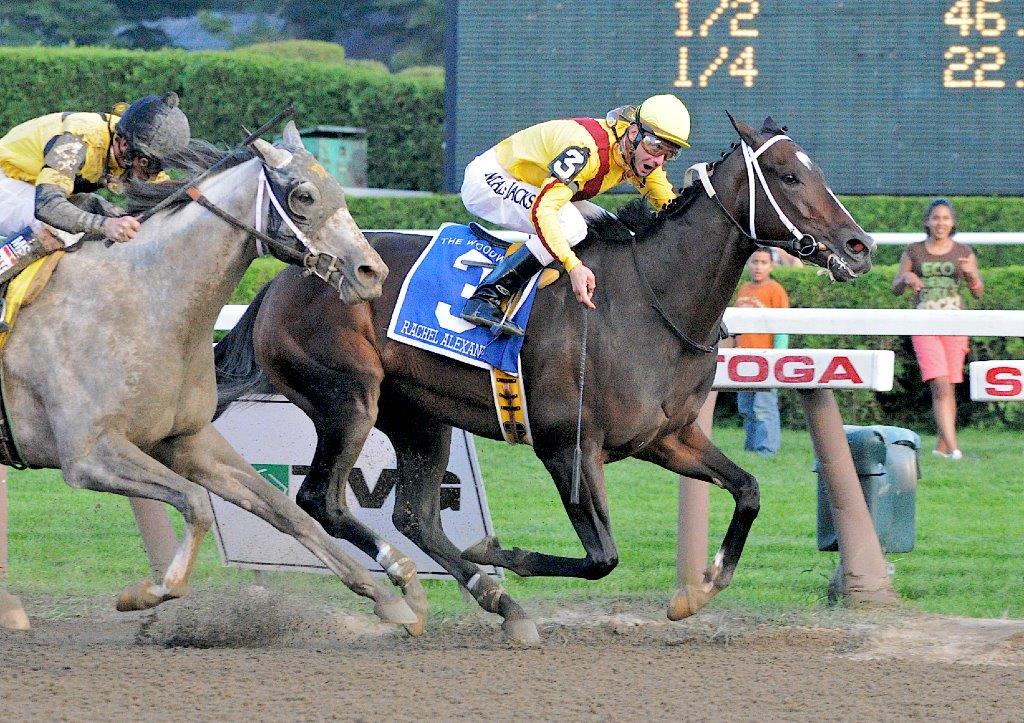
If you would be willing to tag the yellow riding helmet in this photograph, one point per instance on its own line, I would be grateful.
(667, 117)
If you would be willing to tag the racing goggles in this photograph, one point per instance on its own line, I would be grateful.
(656, 146)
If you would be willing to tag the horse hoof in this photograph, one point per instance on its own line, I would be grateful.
(522, 632)
(416, 629)
(12, 614)
(395, 611)
(688, 601)
(138, 597)
(480, 552)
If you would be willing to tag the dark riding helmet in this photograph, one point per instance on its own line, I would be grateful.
(155, 127)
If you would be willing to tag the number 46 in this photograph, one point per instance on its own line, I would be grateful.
(988, 23)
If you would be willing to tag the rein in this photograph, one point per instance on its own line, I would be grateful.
(652, 297)
(324, 266)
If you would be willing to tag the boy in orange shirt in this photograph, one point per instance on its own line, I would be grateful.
(760, 409)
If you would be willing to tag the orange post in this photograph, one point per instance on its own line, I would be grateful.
(862, 576)
(157, 533)
(692, 522)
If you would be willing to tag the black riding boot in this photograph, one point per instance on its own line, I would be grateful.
(510, 275)
(19, 251)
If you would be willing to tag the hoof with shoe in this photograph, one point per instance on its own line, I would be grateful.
(395, 611)
(522, 632)
(12, 614)
(139, 597)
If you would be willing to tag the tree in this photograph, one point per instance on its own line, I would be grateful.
(57, 22)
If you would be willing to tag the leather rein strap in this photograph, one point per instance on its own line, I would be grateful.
(196, 195)
(656, 305)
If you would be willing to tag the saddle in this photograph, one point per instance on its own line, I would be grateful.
(548, 276)
(15, 294)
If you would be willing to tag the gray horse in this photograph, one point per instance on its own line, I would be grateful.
(109, 375)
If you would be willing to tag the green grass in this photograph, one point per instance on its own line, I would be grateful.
(969, 557)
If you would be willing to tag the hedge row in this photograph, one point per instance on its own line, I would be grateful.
(222, 91)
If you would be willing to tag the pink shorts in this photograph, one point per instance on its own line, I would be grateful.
(941, 356)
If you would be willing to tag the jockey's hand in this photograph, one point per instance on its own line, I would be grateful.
(912, 280)
(122, 228)
(583, 284)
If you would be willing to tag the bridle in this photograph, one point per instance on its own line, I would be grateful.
(315, 263)
(801, 244)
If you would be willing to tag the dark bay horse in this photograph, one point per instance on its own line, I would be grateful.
(109, 376)
(647, 372)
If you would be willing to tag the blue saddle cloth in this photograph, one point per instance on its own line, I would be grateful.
(427, 312)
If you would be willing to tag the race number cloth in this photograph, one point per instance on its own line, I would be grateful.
(436, 289)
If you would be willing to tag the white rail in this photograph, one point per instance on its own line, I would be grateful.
(882, 238)
(863, 322)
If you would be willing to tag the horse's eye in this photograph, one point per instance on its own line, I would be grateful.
(302, 197)
(790, 179)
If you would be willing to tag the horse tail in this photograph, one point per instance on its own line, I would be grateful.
(234, 356)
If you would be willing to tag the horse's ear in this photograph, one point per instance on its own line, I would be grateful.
(291, 135)
(747, 132)
(272, 156)
(771, 128)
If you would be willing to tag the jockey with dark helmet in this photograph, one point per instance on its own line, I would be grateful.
(50, 165)
(539, 181)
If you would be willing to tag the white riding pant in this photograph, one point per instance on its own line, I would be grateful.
(17, 206)
(493, 194)
(18, 210)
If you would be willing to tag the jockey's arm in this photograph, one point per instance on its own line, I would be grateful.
(64, 158)
(554, 194)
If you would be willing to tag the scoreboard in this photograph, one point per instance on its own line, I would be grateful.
(889, 97)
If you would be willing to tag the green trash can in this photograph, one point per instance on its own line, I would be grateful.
(341, 150)
(886, 460)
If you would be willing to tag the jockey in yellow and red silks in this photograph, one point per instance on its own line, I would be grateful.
(539, 181)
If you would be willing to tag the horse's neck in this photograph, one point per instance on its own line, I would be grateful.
(692, 265)
(215, 254)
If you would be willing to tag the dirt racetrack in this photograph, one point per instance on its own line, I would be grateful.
(261, 655)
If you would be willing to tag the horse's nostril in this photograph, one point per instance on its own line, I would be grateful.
(856, 246)
(367, 273)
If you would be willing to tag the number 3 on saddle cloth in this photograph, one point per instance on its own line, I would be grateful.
(427, 316)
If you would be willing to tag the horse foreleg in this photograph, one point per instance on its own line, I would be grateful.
(691, 453)
(207, 458)
(342, 424)
(423, 447)
(589, 518)
(116, 465)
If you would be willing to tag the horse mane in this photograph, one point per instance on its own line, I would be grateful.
(197, 158)
(638, 221)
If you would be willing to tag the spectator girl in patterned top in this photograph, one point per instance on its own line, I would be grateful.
(540, 180)
(934, 270)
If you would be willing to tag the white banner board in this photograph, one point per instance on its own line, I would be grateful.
(805, 369)
(997, 381)
(279, 441)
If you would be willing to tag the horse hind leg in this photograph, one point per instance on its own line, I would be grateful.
(207, 458)
(423, 447)
(116, 465)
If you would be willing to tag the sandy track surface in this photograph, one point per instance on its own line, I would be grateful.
(264, 655)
